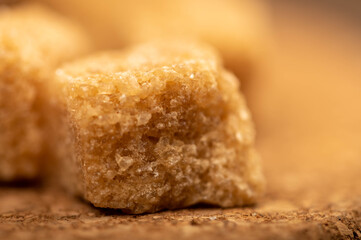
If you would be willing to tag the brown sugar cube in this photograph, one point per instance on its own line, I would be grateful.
(32, 42)
(158, 126)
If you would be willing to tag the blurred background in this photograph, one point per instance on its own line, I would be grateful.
(307, 101)
(299, 63)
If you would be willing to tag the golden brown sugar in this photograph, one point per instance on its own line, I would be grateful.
(32, 42)
(159, 126)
